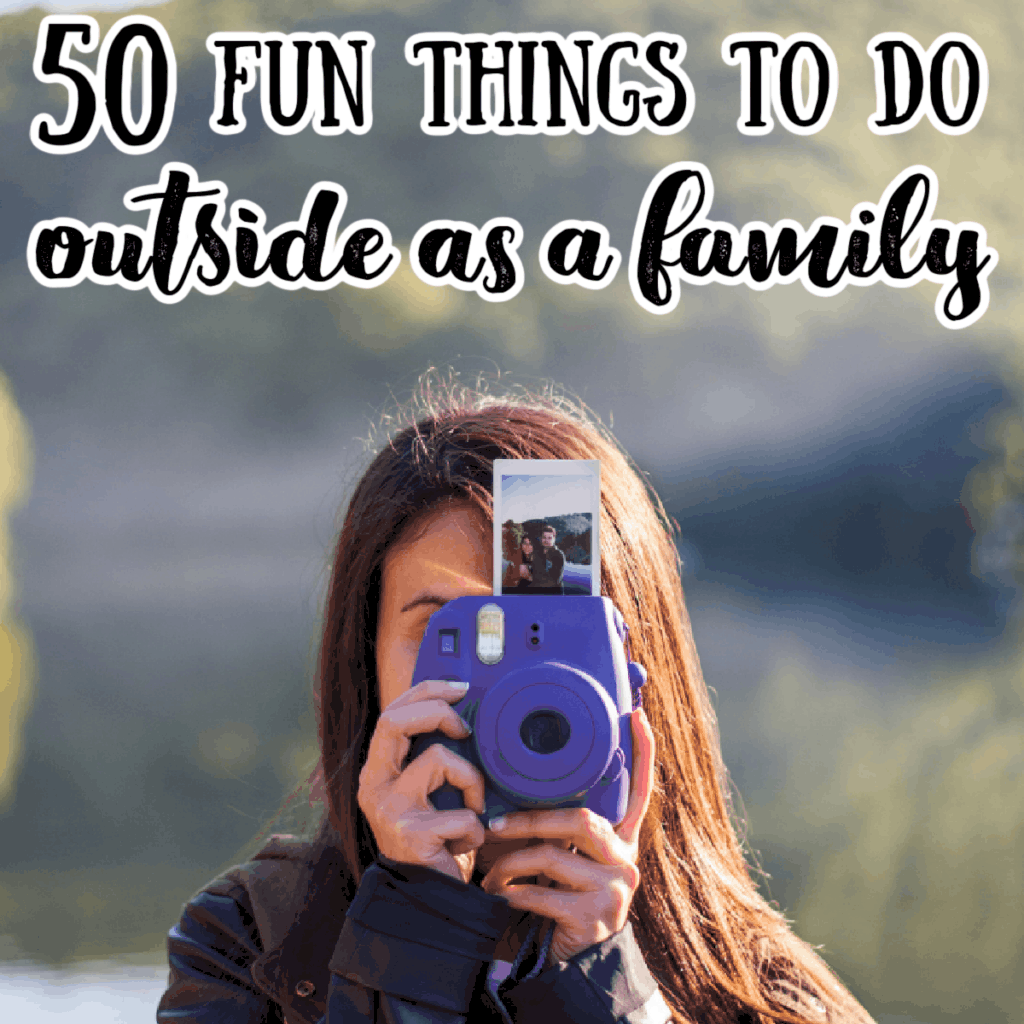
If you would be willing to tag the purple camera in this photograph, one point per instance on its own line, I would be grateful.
(550, 695)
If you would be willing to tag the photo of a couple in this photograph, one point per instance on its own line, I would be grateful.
(546, 543)
(535, 562)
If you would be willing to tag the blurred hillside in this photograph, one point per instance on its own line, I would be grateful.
(17, 662)
(845, 472)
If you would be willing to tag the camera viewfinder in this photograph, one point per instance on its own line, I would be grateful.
(448, 642)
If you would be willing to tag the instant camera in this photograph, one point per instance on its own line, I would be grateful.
(551, 691)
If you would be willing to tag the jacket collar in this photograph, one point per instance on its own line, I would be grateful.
(294, 971)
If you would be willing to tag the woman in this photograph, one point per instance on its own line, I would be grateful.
(519, 573)
(525, 563)
(399, 912)
(518, 560)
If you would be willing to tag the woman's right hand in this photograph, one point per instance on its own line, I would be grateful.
(407, 827)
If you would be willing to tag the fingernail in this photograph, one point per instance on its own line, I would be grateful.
(498, 824)
(457, 684)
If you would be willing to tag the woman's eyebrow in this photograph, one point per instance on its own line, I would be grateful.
(425, 599)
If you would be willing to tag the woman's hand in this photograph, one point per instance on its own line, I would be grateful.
(524, 571)
(595, 885)
(397, 804)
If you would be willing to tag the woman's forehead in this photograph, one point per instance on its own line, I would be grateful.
(443, 535)
(454, 514)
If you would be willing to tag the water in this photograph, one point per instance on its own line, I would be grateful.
(109, 993)
(98, 992)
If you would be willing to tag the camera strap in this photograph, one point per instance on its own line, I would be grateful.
(537, 925)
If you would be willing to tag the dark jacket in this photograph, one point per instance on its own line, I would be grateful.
(548, 568)
(276, 940)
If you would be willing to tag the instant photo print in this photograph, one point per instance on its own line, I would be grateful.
(546, 522)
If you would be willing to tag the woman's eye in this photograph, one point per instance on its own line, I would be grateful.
(418, 631)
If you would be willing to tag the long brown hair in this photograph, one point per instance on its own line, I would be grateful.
(715, 946)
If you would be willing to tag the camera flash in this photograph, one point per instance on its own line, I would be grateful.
(490, 634)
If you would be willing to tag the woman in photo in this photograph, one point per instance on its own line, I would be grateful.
(519, 561)
(397, 912)
(525, 572)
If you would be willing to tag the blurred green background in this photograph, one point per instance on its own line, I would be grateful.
(846, 474)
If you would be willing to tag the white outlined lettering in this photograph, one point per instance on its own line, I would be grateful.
(542, 83)
(579, 252)
(910, 83)
(303, 78)
(103, 99)
(185, 245)
(456, 253)
(772, 71)
(898, 242)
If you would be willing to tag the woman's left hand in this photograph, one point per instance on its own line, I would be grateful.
(596, 883)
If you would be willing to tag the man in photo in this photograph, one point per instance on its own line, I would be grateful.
(548, 564)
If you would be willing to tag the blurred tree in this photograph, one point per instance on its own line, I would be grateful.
(911, 809)
(17, 664)
(993, 495)
(912, 805)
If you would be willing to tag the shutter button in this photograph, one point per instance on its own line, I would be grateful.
(305, 989)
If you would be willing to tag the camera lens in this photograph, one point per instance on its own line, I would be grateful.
(544, 732)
